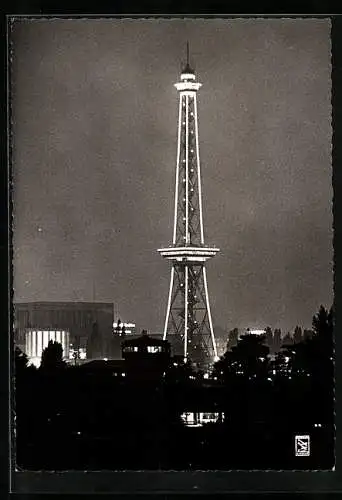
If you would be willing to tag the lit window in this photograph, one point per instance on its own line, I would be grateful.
(153, 348)
(82, 353)
(208, 417)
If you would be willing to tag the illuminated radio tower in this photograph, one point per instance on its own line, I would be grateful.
(188, 313)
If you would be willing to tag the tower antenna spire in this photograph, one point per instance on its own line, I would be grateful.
(187, 53)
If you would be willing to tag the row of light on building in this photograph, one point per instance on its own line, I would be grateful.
(128, 326)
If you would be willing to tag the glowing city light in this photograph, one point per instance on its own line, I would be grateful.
(126, 325)
(257, 332)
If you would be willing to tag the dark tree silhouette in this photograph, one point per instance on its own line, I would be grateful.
(321, 347)
(269, 338)
(20, 361)
(277, 340)
(322, 324)
(313, 355)
(305, 394)
(24, 392)
(179, 372)
(307, 334)
(233, 337)
(52, 357)
(287, 340)
(249, 358)
(297, 335)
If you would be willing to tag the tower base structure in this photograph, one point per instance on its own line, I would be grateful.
(188, 322)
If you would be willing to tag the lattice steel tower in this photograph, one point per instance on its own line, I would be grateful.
(188, 314)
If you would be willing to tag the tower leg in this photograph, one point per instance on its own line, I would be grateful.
(169, 303)
(209, 312)
(186, 313)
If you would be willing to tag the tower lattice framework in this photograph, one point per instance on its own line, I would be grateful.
(188, 315)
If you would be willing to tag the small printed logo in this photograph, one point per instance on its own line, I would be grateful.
(302, 446)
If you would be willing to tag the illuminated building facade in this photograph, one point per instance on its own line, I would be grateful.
(198, 419)
(37, 340)
(188, 314)
(76, 318)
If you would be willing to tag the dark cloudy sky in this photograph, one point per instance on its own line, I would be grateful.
(94, 150)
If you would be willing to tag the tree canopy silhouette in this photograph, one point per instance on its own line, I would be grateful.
(20, 360)
(313, 354)
(52, 357)
(249, 358)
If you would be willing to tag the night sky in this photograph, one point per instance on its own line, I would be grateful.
(94, 152)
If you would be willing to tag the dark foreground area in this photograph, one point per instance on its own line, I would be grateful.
(95, 417)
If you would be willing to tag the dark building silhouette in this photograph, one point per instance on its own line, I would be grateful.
(146, 357)
(143, 358)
